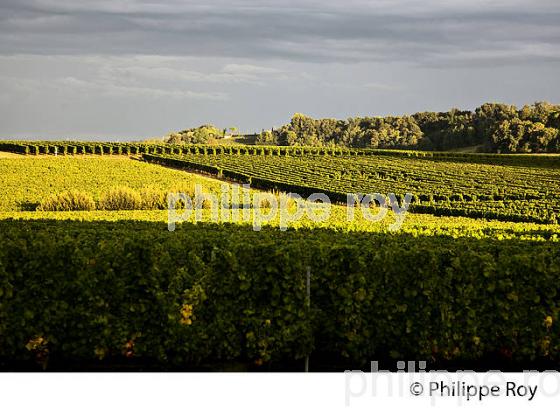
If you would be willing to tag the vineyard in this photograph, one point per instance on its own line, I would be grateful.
(26, 181)
(137, 148)
(205, 293)
(516, 191)
(472, 275)
(454, 184)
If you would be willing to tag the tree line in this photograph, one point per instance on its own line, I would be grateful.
(492, 127)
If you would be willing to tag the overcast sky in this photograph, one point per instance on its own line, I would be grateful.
(123, 69)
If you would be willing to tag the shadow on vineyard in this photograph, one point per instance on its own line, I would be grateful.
(28, 205)
(78, 295)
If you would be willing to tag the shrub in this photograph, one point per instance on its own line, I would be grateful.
(120, 199)
(202, 202)
(152, 198)
(187, 188)
(68, 201)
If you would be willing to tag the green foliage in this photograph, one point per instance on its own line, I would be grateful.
(219, 293)
(513, 188)
(119, 199)
(84, 147)
(152, 198)
(492, 127)
(429, 130)
(199, 135)
(524, 136)
(447, 130)
(266, 138)
(68, 201)
(440, 289)
(27, 180)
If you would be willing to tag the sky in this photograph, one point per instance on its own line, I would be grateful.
(134, 69)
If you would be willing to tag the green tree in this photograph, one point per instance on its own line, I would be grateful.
(266, 138)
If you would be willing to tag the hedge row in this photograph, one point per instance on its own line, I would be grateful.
(83, 148)
(133, 148)
(79, 291)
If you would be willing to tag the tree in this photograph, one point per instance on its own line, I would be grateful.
(491, 127)
(489, 116)
(539, 137)
(506, 136)
(266, 138)
(291, 138)
(200, 135)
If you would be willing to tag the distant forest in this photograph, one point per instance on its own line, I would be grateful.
(491, 127)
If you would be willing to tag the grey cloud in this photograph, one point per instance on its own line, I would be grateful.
(303, 31)
(139, 68)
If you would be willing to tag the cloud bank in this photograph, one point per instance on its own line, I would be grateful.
(182, 62)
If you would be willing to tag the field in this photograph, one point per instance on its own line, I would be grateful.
(485, 187)
(112, 288)
(27, 180)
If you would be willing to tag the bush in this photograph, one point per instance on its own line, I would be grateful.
(188, 188)
(120, 199)
(68, 201)
(153, 198)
